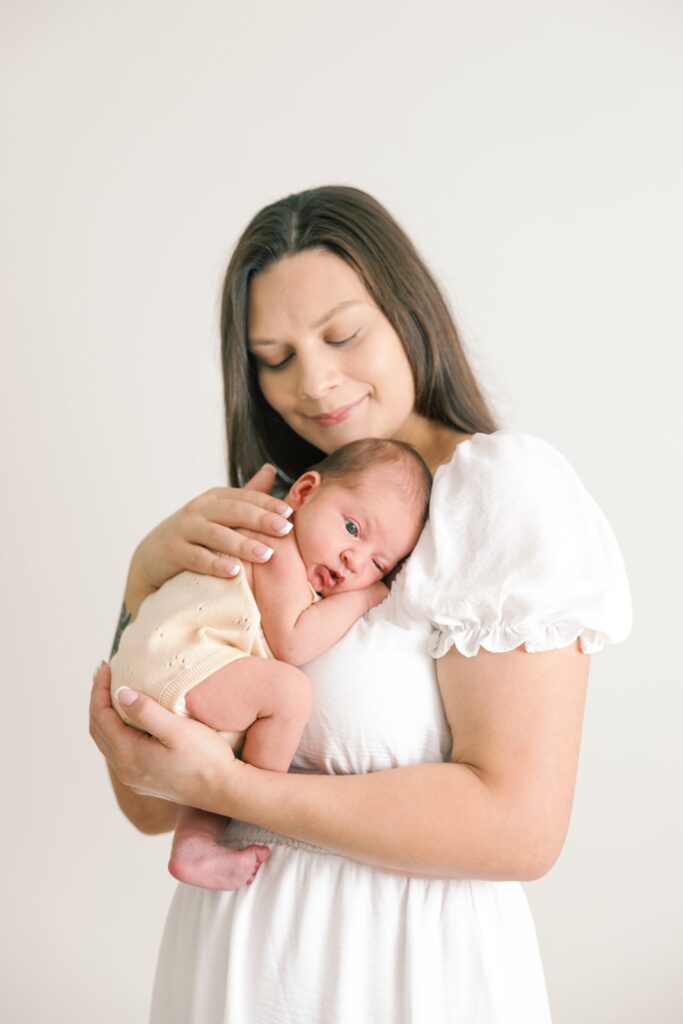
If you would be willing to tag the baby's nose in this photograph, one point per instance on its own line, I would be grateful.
(357, 557)
(351, 559)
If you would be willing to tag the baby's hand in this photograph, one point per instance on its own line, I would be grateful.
(376, 593)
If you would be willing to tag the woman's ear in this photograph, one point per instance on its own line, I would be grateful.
(302, 489)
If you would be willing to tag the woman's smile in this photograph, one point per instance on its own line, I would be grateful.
(331, 419)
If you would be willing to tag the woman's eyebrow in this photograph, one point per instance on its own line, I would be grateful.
(335, 309)
(319, 323)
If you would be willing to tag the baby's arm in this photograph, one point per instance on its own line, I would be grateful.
(321, 624)
(298, 630)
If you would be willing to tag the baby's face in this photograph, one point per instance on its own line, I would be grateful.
(350, 537)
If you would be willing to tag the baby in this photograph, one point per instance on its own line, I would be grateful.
(225, 651)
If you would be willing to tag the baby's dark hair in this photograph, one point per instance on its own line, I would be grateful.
(348, 464)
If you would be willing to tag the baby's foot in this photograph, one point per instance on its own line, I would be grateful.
(197, 860)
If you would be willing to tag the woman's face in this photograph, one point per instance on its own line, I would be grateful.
(329, 362)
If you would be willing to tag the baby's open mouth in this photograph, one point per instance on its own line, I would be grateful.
(330, 577)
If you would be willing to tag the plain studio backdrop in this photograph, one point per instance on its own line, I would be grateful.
(534, 153)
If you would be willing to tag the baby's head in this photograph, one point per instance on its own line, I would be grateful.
(359, 512)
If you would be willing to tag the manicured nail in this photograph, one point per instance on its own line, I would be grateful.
(125, 696)
(262, 552)
(281, 525)
(232, 569)
(284, 510)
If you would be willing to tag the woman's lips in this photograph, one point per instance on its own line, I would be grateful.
(331, 419)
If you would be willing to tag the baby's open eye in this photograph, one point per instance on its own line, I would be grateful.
(351, 527)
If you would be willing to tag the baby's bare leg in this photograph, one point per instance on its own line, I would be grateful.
(272, 701)
(268, 698)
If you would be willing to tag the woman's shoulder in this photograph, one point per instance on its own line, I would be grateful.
(503, 477)
(504, 458)
(513, 540)
(498, 487)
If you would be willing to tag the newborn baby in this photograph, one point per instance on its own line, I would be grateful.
(225, 651)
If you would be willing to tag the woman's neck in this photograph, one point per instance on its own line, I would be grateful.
(434, 441)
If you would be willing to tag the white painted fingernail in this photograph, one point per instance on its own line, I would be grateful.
(125, 696)
(233, 570)
(284, 529)
(262, 552)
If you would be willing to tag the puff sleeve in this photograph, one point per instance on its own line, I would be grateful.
(515, 551)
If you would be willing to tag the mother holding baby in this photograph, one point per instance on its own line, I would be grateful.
(438, 765)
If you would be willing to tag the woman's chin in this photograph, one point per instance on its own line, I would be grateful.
(329, 440)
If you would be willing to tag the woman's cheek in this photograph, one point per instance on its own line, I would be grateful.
(269, 390)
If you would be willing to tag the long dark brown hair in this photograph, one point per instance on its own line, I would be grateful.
(351, 224)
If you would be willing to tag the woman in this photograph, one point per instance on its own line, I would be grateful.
(437, 770)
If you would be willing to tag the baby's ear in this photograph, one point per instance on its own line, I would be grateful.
(302, 489)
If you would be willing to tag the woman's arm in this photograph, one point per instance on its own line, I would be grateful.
(499, 810)
(189, 539)
(149, 814)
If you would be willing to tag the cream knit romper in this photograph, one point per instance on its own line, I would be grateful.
(192, 626)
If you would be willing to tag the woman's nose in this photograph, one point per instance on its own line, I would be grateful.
(316, 378)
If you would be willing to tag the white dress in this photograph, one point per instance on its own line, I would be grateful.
(515, 551)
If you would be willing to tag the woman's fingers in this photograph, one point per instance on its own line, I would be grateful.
(104, 721)
(263, 479)
(211, 530)
(246, 509)
(165, 756)
(149, 716)
(220, 540)
(256, 491)
(203, 559)
(205, 535)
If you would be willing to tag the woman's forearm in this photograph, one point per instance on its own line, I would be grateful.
(433, 820)
(135, 593)
(149, 814)
(137, 587)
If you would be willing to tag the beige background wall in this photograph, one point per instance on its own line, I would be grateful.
(534, 152)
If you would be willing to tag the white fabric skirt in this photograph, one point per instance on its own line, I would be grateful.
(319, 939)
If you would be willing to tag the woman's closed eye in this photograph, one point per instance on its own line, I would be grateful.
(287, 359)
(275, 366)
(343, 341)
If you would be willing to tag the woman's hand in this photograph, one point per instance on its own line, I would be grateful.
(175, 759)
(209, 523)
